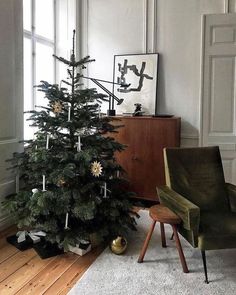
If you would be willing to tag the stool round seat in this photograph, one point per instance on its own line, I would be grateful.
(163, 214)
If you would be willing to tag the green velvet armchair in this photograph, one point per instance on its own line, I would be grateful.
(196, 191)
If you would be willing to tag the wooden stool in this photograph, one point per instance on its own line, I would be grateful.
(164, 215)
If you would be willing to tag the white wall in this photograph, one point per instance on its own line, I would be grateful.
(170, 27)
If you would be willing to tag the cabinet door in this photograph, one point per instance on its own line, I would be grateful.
(135, 159)
(143, 158)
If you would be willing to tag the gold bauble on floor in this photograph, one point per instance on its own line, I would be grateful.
(119, 245)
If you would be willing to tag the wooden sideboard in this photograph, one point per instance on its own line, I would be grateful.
(142, 160)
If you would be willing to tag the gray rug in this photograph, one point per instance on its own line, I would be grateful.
(161, 271)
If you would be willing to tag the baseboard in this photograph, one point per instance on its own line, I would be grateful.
(188, 140)
(5, 222)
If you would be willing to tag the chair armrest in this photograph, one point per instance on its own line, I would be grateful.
(186, 210)
(231, 190)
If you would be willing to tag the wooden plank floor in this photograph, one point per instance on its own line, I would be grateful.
(25, 272)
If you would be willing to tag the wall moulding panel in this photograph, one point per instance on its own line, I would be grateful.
(231, 6)
(11, 96)
(7, 141)
(224, 146)
(151, 26)
(222, 66)
(149, 33)
(131, 30)
(6, 188)
(5, 221)
(229, 165)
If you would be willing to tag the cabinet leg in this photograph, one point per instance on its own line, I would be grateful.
(163, 236)
(180, 250)
(145, 245)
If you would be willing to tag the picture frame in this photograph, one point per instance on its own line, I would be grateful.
(138, 73)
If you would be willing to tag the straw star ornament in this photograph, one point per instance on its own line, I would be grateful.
(96, 168)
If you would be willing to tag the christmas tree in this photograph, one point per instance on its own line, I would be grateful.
(70, 181)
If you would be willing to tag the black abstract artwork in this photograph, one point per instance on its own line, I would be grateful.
(137, 73)
(123, 69)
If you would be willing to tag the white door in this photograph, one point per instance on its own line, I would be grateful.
(11, 92)
(218, 91)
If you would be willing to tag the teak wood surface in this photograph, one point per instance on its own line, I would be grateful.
(26, 273)
(162, 214)
(145, 138)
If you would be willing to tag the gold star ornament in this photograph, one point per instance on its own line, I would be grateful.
(61, 182)
(57, 107)
(96, 168)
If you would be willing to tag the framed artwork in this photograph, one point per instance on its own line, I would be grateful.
(138, 72)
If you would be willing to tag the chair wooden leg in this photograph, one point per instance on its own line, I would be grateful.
(172, 236)
(204, 265)
(163, 236)
(145, 245)
(180, 250)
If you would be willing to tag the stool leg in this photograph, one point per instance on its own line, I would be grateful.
(145, 245)
(163, 236)
(180, 250)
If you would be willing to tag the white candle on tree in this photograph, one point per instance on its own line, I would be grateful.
(47, 142)
(44, 183)
(99, 111)
(69, 113)
(79, 144)
(66, 222)
(105, 190)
